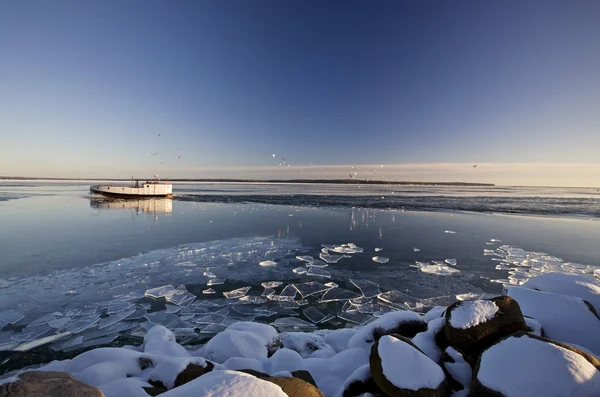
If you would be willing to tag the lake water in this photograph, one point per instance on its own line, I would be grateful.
(78, 258)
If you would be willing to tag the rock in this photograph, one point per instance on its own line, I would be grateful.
(360, 382)
(48, 384)
(154, 390)
(472, 326)
(191, 372)
(564, 318)
(305, 376)
(295, 387)
(403, 323)
(526, 365)
(586, 288)
(399, 368)
(534, 326)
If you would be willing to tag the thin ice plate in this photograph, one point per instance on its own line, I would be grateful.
(338, 294)
(318, 272)
(310, 288)
(236, 293)
(368, 288)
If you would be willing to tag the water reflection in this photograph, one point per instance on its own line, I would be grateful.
(139, 206)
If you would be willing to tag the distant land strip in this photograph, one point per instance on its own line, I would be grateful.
(323, 181)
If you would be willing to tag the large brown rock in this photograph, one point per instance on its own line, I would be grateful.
(48, 384)
(524, 364)
(404, 323)
(408, 371)
(361, 382)
(191, 372)
(295, 387)
(474, 339)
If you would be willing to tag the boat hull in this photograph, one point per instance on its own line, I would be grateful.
(142, 190)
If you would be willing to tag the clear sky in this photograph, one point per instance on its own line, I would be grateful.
(426, 88)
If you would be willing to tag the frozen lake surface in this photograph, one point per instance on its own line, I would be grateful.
(78, 271)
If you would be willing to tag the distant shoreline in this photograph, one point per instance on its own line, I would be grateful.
(223, 180)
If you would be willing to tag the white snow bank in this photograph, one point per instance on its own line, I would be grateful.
(330, 373)
(161, 341)
(364, 336)
(470, 313)
(338, 339)
(564, 318)
(226, 384)
(434, 313)
(99, 366)
(406, 367)
(168, 368)
(128, 387)
(361, 374)
(566, 284)
(460, 370)
(233, 343)
(264, 331)
(286, 360)
(426, 340)
(305, 343)
(237, 363)
(529, 367)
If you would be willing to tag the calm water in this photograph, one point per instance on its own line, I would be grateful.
(62, 249)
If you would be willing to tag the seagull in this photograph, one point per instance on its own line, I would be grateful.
(158, 134)
(155, 154)
(179, 157)
(351, 176)
(475, 166)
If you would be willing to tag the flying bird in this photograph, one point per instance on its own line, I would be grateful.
(158, 134)
(475, 166)
(155, 154)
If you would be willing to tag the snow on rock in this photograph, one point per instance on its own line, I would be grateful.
(226, 383)
(523, 366)
(583, 287)
(233, 343)
(396, 365)
(564, 318)
(305, 343)
(237, 363)
(338, 339)
(330, 373)
(470, 313)
(286, 360)
(167, 370)
(534, 326)
(477, 328)
(426, 341)
(161, 341)
(103, 365)
(434, 313)
(458, 369)
(264, 331)
(404, 323)
(359, 383)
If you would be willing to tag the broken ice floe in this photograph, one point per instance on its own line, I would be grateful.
(380, 259)
(436, 267)
(268, 263)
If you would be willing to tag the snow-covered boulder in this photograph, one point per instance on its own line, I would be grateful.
(264, 331)
(433, 341)
(473, 325)
(104, 365)
(286, 360)
(534, 326)
(586, 288)
(359, 383)
(305, 343)
(171, 372)
(458, 370)
(338, 339)
(48, 383)
(404, 323)
(399, 368)
(564, 318)
(295, 387)
(161, 341)
(523, 365)
(330, 373)
(227, 383)
(130, 387)
(234, 343)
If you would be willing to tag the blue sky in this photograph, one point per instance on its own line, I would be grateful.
(86, 87)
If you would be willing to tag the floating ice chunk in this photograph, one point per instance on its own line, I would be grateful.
(42, 320)
(302, 302)
(160, 292)
(331, 284)
(215, 281)
(495, 240)
(59, 322)
(80, 325)
(368, 288)
(318, 272)
(330, 258)
(289, 292)
(268, 263)
(396, 298)
(449, 232)
(338, 294)
(212, 329)
(115, 307)
(10, 316)
(314, 315)
(451, 262)
(380, 259)
(305, 258)
(470, 313)
(160, 318)
(292, 323)
(415, 249)
(288, 304)
(300, 270)
(253, 299)
(58, 346)
(378, 249)
(271, 284)
(172, 308)
(180, 296)
(39, 342)
(317, 263)
(310, 288)
(440, 270)
(267, 292)
(137, 314)
(114, 318)
(356, 318)
(208, 291)
(236, 293)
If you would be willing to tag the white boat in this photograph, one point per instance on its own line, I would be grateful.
(153, 188)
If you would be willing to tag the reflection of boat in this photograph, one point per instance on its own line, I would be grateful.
(147, 205)
(153, 188)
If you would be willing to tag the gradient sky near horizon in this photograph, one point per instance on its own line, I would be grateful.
(425, 88)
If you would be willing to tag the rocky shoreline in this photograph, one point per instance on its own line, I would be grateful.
(539, 339)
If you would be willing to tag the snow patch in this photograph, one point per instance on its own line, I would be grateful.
(470, 313)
